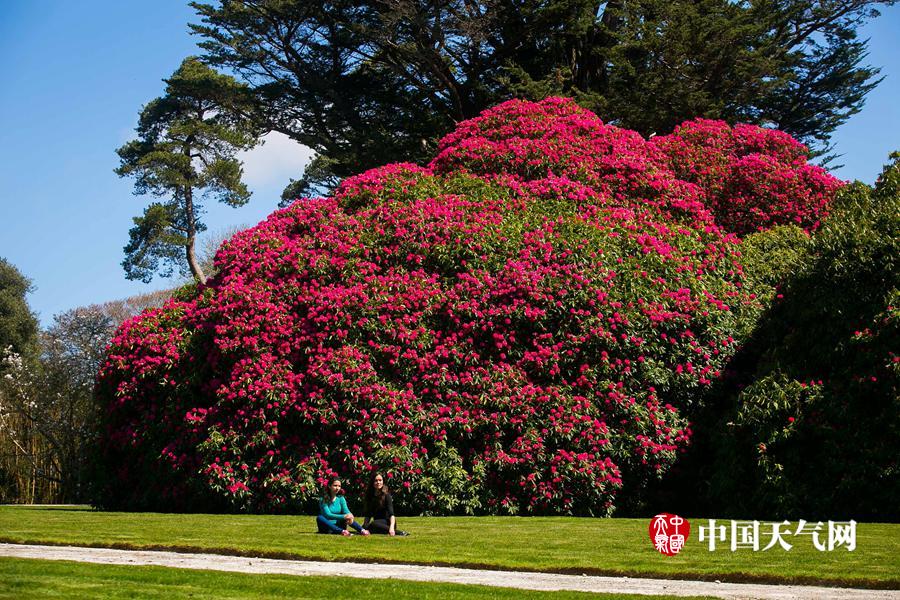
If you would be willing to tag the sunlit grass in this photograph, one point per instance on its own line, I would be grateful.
(560, 544)
(26, 579)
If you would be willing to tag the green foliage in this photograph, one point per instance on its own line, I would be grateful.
(814, 432)
(318, 178)
(187, 140)
(770, 258)
(447, 487)
(367, 83)
(18, 325)
(156, 238)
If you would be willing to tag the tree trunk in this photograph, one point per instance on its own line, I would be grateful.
(34, 475)
(611, 20)
(193, 263)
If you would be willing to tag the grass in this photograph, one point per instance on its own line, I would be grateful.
(26, 579)
(553, 544)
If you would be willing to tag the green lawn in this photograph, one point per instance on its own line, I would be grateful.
(23, 579)
(559, 544)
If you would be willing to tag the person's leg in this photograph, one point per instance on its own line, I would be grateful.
(379, 526)
(327, 526)
(355, 525)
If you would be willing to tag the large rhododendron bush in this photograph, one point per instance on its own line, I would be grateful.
(522, 326)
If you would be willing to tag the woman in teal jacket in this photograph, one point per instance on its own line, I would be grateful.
(334, 516)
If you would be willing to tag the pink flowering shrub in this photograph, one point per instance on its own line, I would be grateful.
(751, 178)
(520, 327)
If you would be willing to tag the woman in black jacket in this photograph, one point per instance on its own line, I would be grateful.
(380, 508)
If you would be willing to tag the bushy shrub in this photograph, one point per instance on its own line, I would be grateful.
(517, 328)
(815, 431)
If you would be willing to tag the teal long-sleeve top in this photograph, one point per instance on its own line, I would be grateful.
(333, 511)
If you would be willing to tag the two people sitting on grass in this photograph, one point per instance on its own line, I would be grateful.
(335, 516)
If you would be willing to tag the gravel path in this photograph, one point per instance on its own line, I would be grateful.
(509, 579)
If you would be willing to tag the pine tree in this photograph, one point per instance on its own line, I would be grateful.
(185, 151)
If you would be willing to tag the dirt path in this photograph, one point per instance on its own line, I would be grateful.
(510, 579)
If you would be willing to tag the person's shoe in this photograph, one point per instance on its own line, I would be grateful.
(346, 533)
(401, 533)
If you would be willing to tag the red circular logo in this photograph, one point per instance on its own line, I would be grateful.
(668, 533)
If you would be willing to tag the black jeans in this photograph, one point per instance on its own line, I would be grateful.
(380, 526)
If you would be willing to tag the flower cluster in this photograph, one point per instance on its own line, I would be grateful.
(752, 178)
(517, 328)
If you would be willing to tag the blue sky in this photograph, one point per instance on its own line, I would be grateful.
(75, 77)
